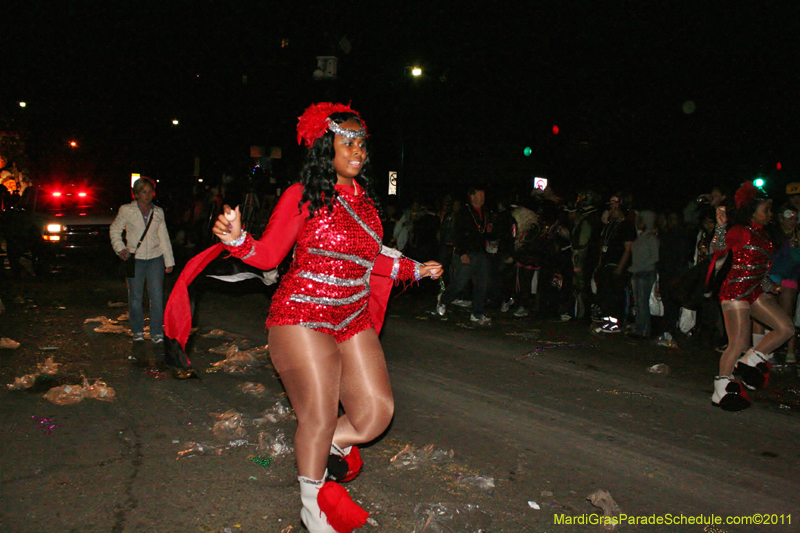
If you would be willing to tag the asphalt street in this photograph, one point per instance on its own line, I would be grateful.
(507, 428)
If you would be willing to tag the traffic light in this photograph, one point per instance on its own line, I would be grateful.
(527, 151)
(555, 129)
(759, 182)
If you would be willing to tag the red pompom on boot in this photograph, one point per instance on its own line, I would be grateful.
(344, 464)
(342, 513)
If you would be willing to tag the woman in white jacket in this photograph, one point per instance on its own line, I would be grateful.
(153, 257)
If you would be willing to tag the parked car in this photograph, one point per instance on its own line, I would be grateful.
(55, 224)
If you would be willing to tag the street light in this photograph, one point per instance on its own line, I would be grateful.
(73, 144)
(416, 71)
(23, 104)
(175, 122)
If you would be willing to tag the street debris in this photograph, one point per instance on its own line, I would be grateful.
(274, 414)
(108, 325)
(198, 448)
(219, 334)
(616, 392)
(477, 482)
(70, 394)
(555, 344)
(8, 344)
(528, 335)
(261, 461)
(660, 368)
(117, 304)
(229, 425)
(603, 500)
(24, 382)
(450, 517)
(275, 444)
(48, 348)
(241, 361)
(254, 389)
(533, 505)
(49, 367)
(123, 317)
(46, 424)
(412, 457)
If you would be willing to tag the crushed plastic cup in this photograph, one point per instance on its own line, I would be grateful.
(219, 334)
(49, 367)
(253, 389)
(273, 443)
(603, 500)
(276, 413)
(24, 382)
(198, 448)
(8, 344)
(229, 425)
(476, 482)
(242, 361)
(533, 505)
(660, 368)
(450, 518)
(66, 394)
(99, 391)
(412, 457)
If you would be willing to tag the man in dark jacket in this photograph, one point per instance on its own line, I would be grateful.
(472, 264)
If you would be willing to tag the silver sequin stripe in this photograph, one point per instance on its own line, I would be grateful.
(345, 257)
(746, 278)
(748, 267)
(754, 247)
(343, 324)
(357, 218)
(391, 252)
(321, 300)
(747, 292)
(333, 280)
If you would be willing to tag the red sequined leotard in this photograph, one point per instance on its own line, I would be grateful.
(752, 252)
(327, 285)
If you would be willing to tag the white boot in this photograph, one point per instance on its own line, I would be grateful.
(729, 394)
(754, 369)
(314, 519)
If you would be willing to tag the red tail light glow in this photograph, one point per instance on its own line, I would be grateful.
(82, 194)
(56, 194)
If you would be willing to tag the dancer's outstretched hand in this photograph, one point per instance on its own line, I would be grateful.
(228, 226)
(431, 269)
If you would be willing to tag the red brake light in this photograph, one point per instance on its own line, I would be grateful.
(82, 194)
(56, 194)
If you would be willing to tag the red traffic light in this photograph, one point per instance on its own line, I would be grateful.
(555, 129)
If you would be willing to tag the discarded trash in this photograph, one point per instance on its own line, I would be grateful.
(49, 367)
(229, 425)
(529, 335)
(46, 424)
(714, 529)
(546, 494)
(602, 499)
(660, 368)
(261, 461)
(411, 457)
(534, 505)
(371, 521)
(219, 334)
(116, 304)
(48, 348)
(101, 319)
(25, 382)
(276, 444)
(450, 517)
(476, 482)
(254, 389)
(555, 345)
(65, 394)
(8, 344)
(241, 361)
(198, 448)
(274, 414)
(156, 374)
(123, 317)
(99, 391)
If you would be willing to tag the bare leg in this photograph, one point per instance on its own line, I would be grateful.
(767, 311)
(737, 324)
(309, 363)
(366, 394)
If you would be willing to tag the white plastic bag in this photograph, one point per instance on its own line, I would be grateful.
(687, 320)
(656, 303)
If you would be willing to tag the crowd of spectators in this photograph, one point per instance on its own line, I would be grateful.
(591, 257)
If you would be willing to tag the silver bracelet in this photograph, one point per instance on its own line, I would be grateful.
(718, 242)
(236, 242)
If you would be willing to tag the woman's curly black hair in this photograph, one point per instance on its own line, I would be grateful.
(319, 177)
(743, 215)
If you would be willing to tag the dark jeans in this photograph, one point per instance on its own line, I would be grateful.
(477, 271)
(152, 271)
(611, 291)
(642, 286)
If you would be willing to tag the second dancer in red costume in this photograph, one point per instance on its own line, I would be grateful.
(322, 333)
(747, 293)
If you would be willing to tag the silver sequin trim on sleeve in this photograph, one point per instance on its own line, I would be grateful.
(391, 252)
(718, 242)
(251, 253)
(395, 267)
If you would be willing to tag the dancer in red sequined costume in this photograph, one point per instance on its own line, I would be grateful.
(747, 293)
(322, 338)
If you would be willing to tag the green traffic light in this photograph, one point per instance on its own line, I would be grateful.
(759, 182)
(527, 151)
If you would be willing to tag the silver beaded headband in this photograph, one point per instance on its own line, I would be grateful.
(344, 132)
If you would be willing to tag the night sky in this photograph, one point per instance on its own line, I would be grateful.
(613, 76)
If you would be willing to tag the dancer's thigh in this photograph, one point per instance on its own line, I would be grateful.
(364, 376)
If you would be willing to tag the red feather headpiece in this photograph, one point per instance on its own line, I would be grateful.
(313, 123)
(745, 194)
